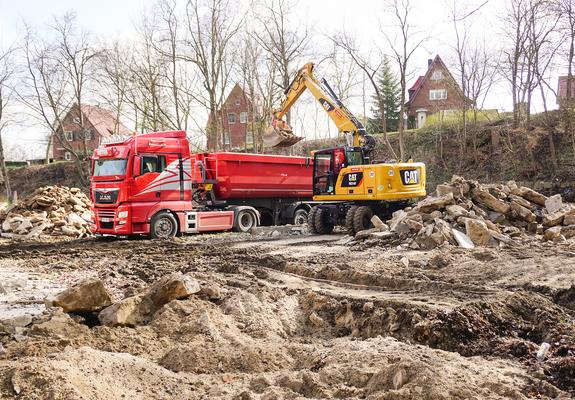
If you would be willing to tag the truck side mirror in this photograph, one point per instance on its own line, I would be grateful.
(137, 162)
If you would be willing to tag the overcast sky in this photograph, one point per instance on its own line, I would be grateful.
(364, 19)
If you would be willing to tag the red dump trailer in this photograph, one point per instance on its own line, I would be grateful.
(150, 184)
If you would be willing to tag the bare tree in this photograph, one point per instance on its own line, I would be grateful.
(346, 42)
(47, 93)
(283, 41)
(403, 46)
(7, 74)
(565, 9)
(210, 30)
(75, 53)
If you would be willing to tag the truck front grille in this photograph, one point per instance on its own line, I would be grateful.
(105, 217)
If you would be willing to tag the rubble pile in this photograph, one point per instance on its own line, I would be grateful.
(467, 213)
(53, 210)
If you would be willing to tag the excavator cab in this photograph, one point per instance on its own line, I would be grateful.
(329, 162)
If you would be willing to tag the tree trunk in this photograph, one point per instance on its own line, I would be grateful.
(48, 148)
(5, 171)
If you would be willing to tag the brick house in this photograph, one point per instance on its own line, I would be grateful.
(562, 90)
(234, 130)
(98, 123)
(433, 92)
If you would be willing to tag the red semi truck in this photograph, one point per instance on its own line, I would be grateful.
(150, 184)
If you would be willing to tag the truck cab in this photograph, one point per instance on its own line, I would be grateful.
(141, 185)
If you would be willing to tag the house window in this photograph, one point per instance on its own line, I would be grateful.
(437, 76)
(243, 117)
(238, 101)
(438, 94)
(250, 138)
(231, 118)
(88, 135)
(226, 138)
(69, 136)
(67, 156)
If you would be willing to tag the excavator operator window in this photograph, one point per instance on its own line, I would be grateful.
(355, 157)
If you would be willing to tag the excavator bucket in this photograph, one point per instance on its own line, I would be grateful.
(276, 136)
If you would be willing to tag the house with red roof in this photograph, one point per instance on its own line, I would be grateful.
(93, 124)
(436, 91)
(234, 128)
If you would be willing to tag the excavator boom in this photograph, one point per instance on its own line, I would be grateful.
(280, 134)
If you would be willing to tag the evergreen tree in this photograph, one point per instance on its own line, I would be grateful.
(389, 89)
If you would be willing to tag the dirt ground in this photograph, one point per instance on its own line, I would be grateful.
(295, 317)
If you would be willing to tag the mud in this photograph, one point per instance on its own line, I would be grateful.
(298, 317)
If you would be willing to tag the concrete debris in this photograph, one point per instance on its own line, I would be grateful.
(489, 214)
(138, 309)
(49, 210)
(86, 295)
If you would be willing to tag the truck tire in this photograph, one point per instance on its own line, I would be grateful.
(362, 218)
(311, 220)
(349, 220)
(163, 226)
(244, 221)
(321, 223)
(300, 217)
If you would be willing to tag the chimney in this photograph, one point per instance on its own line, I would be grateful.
(429, 61)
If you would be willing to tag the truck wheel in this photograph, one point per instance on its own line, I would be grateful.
(311, 220)
(244, 221)
(300, 217)
(163, 226)
(349, 220)
(362, 218)
(321, 222)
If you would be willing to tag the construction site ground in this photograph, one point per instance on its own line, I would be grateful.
(295, 316)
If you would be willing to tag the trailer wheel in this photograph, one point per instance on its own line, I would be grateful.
(163, 226)
(244, 221)
(321, 222)
(300, 217)
(311, 220)
(349, 220)
(362, 218)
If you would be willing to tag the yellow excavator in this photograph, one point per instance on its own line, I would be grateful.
(348, 186)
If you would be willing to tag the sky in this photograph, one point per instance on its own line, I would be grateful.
(363, 19)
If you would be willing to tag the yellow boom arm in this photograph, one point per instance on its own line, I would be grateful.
(344, 120)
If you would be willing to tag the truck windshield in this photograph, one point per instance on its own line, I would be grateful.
(110, 167)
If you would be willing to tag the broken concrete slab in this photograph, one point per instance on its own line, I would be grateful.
(172, 287)
(553, 204)
(86, 295)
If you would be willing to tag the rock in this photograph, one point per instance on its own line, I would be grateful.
(478, 232)
(275, 233)
(444, 189)
(413, 225)
(172, 287)
(435, 214)
(524, 213)
(128, 312)
(553, 203)
(86, 295)
(553, 219)
(456, 211)
(361, 235)
(430, 204)
(405, 261)
(525, 203)
(316, 320)
(484, 197)
(378, 223)
(552, 233)
(462, 239)
(530, 194)
(569, 219)
(568, 231)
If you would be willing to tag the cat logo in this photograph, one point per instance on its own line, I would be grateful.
(410, 176)
(326, 105)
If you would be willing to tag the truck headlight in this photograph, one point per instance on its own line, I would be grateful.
(123, 214)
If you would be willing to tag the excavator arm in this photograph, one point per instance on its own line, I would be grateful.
(281, 135)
